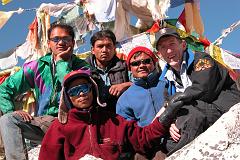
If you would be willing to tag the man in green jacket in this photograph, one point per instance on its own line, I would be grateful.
(44, 76)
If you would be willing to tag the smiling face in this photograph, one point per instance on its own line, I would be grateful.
(83, 100)
(171, 49)
(104, 50)
(143, 69)
(59, 41)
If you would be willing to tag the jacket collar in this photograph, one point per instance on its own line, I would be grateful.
(149, 81)
(84, 115)
(189, 59)
(113, 66)
(47, 58)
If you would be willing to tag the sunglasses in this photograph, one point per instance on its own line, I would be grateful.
(143, 61)
(66, 39)
(76, 90)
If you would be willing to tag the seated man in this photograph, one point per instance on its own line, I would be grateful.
(142, 101)
(44, 76)
(145, 97)
(112, 70)
(85, 129)
(202, 82)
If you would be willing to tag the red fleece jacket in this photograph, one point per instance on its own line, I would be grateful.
(98, 133)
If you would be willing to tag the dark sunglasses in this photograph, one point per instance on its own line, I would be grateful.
(65, 39)
(143, 61)
(76, 90)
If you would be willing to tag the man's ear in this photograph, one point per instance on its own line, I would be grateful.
(159, 55)
(115, 51)
(48, 44)
(184, 45)
(92, 50)
(74, 42)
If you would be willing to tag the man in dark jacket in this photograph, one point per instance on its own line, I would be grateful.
(112, 70)
(202, 82)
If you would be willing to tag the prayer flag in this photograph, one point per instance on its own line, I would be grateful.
(4, 16)
(5, 2)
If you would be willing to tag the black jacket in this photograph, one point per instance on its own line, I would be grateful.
(117, 72)
(211, 82)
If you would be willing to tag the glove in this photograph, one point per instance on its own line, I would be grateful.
(169, 114)
(185, 97)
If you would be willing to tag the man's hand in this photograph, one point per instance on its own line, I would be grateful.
(185, 97)
(25, 116)
(118, 89)
(174, 132)
(65, 55)
(170, 112)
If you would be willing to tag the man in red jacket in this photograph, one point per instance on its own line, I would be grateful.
(83, 128)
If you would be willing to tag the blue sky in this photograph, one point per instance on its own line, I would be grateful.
(217, 15)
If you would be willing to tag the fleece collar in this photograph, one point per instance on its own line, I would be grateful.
(149, 81)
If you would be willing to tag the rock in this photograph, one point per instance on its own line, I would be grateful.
(220, 141)
(33, 153)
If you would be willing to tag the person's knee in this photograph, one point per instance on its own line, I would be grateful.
(6, 119)
(192, 124)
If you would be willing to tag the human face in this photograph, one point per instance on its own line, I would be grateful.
(104, 50)
(143, 69)
(83, 100)
(61, 43)
(171, 50)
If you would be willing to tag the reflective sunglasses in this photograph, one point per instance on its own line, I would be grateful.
(66, 39)
(76, 90)
(143, 61)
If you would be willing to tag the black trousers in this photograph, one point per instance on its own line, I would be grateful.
(192, 119)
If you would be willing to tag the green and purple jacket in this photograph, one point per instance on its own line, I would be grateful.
(44, 77)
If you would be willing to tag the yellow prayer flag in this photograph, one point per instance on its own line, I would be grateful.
(216, 53)
(4, 16)
(5, 2)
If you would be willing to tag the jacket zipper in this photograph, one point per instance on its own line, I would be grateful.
(90, 133)
(151, 97)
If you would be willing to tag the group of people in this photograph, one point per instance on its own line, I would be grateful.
(112, 109)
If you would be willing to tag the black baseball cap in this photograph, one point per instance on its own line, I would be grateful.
(166, 32)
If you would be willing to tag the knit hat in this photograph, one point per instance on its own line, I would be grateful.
(65, 103)
(140, 49)
(165, 32)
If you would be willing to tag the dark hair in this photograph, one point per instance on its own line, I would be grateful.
(66, 27)
(103, 34)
